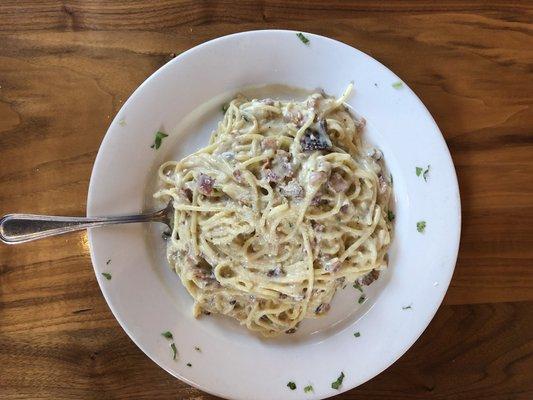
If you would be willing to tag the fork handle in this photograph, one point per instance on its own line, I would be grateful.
(20, 228)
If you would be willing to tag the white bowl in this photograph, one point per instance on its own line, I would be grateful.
(147, 298)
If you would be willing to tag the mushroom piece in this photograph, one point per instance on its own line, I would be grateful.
(316, 137)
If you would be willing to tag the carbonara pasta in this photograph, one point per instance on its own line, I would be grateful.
(280, 209)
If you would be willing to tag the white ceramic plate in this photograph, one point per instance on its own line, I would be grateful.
(147, 298)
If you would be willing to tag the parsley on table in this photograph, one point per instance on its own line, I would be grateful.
(107, 275)
(308, 389)
(174, 350)
(357, 334)
(397, 85)
(291, 385)
(189, 365)
(362, 299)
(390, 216)
(108, 262)
(337, 384)
(421, 226)
(357, 286)
(407, 307)
(198, 349)
(302, 37)
(224, 108)
(167, 335)
(418, 170)
(159, 136)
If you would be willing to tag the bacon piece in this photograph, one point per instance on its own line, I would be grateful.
(186, 193)
(317, 178)
(370, 277)
(337, 183)
(294, 116)
(383, 184)
(292, 189)
(269, 143)
(237, 174)
(205, 184)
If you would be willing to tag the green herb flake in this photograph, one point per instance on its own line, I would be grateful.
(174, 350)
(362, 299)
(189, 365)
(224, 108)
(199, 350)
(397, 85)
(107, 275)
(337, 384)
(291, 385)
(407, 307)
(308, 389)
(421, 226)
(159, 136)
(167, 335)
(302, 37)
(122, 122)
(391, 180)
(426, 173)
(390, 216)
(357, 334)
(108, 262)
(419, 170)
(357, 286)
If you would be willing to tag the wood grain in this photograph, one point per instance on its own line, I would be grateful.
(67, 67)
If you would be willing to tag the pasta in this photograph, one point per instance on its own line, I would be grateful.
(282, 207)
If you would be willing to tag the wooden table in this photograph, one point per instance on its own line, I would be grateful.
(67, 67)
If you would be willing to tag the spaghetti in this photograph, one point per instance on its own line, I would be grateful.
(280, 209)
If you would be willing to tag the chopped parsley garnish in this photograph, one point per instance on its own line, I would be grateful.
(357, 286)
(189, 365)
(390, 216)
(407, 307)
(397, 85)
(197, 349)
(357, 334)
(159, 136)
(167, 335)
(174, 350)
(391, 180)
(122, 122)
(291, 385)
(375, 84)
(302, 37)
(337, 384)
(107, 275)
(362, 299)
(225, 107)
(308, 388)
(421, 226)
(424, 172)
(108, 262)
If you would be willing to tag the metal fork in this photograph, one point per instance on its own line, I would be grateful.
(20, 228)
